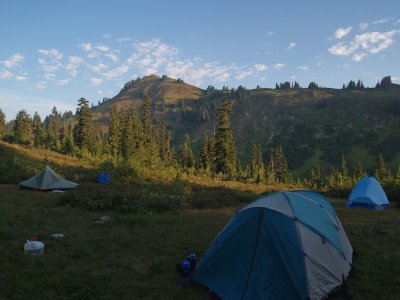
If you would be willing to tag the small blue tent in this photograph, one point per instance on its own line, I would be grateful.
(368, 193)
(103, 178)
(287, 245)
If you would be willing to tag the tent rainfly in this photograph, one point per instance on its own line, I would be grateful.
(287, 245)
(47, 180)
(368, 193)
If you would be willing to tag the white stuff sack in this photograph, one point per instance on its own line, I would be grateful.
(34, 248)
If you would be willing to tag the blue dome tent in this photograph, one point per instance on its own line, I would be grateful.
(368, 193)
(103, 178)
(287, 245)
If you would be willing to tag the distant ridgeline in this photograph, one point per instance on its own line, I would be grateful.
(313, 131)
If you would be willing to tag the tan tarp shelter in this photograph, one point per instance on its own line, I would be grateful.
(47, 180)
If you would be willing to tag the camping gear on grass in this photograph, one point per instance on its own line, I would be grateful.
(286, 245)
(35, 248)
(368, 193)
(48, 180)
(103, 178)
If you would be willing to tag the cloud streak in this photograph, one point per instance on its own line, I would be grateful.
(342, 32)
(13, 61)
(368, 43)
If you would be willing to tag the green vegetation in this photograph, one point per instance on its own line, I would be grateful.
(164, 205)
(134, 255)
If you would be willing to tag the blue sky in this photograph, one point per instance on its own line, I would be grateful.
(54, 52)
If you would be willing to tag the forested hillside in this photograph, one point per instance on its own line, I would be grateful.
(315, 127)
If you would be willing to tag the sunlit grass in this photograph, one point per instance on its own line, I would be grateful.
(134, 255)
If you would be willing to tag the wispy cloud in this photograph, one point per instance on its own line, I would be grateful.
(63, 81)
(269, 33)
(95, 81)
(6, 74)
(41, 85)
(98, 67)
(304, 68)
(358, 57)
(342, 32)
(278, 66)
(102, 48)
(54, 53)
(13, 61)
(371, 42)
(363, 26)
(73, 64)
(49, 76)
(20, 78)
(260, 67)
(382, 21)
(244, 74)
(291, 46)
(51, 60)
(117, 72)
(86, 47)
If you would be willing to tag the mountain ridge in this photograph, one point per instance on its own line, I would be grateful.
(316, 127)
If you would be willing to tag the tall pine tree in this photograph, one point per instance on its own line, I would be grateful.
(37, 130)
(131, 133)
(52, 131)
(187, 157)
(204, 154)
(23, 127)
(83, 131)
(146, 120)
(2, 123)
(225, 152)
(115, 132)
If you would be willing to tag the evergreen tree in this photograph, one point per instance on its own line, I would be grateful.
(313, 85)
(67, 145)
(257, 165)
(211, 153)
(381, 172)
(344, 173)
(2, 123)
(386, 82)
(131, 133)
(316, 177)
(37, 130)
(168, 155)
(146, 120)
(359, 172)
(210, 90)
(187, 157)
(278, 168)
(23, 127)
(351, 85)
(52, 131)
(281, 167)
(225, 152)
(115, 132)
(204, 154)
(397, 176)
(83, 131)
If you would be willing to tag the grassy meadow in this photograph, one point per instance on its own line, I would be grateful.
(133, 256)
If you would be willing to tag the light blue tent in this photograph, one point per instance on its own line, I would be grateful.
(287, 245)
(368, 193)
